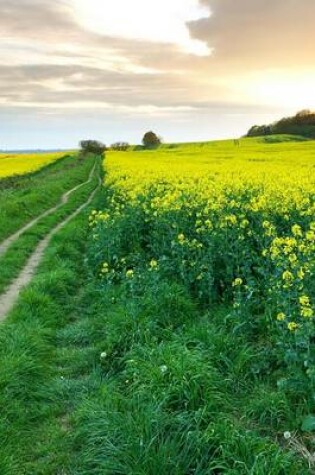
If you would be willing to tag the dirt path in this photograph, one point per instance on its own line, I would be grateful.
(9, 298)
(64, 199)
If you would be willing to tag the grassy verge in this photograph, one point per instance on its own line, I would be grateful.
(33, 389)
(180, 392)
(24, 198)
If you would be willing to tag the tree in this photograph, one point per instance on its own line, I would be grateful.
(151, 140)
(120, 146)
(304, 113)
(92, 146)
(303, 124)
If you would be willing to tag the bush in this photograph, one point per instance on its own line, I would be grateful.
(120, 146)
(92, 146)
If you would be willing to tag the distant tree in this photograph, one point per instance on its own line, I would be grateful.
(258, 130)
(151, 140)
(120, 146)
(304, 113)
(92, 146)
(302, 124)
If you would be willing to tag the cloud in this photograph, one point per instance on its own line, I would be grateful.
(49, 57)
(260, 33)
(157, 22)
(32, 18)
(60, 84)
(180, 59)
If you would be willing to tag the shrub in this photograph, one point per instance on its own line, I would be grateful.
(92, 146)
(120, 146)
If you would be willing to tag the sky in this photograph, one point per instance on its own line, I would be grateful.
(188, 69)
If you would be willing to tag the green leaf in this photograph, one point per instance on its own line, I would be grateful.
(308, 424)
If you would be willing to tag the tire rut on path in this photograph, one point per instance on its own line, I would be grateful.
(64, 199)
(9, 298)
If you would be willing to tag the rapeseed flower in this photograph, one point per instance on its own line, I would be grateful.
(292, 326)
(237, 282)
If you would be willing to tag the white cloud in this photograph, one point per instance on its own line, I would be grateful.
(162, 21)
(142, 110)
(19, 52)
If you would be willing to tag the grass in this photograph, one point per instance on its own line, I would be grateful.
(34, 387)
(24, 198)
(160, 401)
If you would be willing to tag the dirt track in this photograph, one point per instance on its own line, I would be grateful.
(9, 298)
(64, 199)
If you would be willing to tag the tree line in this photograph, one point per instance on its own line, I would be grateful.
(150, 140)
(303, 123)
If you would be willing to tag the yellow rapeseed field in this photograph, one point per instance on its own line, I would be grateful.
(232, 222)
(22, 163)
(278, 175)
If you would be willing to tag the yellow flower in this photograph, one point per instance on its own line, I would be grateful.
(287, 275)
(231, 219)
(281, 317)
(304, 300)
(301, 273)
(292, 258)
(181, 238)
(244, 223)
(105, 268)
(296, 230)
(154, 264)
(307, 312)
(292, 326)
(237, 282)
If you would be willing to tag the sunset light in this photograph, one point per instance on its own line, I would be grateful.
(280, 89)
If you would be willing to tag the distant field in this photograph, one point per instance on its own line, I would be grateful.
(22, 163)
(255, 159)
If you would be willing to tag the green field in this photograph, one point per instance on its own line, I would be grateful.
(169, 327)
